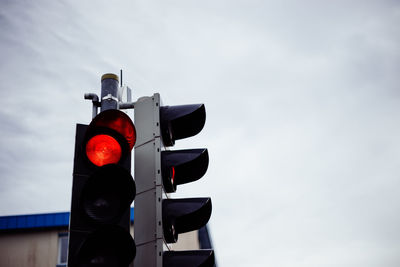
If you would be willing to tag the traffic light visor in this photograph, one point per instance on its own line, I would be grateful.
(182, 166)
(184, 215)
(179, 122)
(118, 121)
(203, 258)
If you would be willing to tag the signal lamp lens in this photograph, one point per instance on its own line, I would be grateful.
(103, 149)
(102, 208)
(172, 174)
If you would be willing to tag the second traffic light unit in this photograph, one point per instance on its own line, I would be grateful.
(158, 171)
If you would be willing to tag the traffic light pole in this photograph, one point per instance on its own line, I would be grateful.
(148, 202)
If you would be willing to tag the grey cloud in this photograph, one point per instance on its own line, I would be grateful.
(302, 114)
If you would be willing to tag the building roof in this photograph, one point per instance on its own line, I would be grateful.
(45, 220)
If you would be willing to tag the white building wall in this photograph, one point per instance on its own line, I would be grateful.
(33, 249)
(39, 248)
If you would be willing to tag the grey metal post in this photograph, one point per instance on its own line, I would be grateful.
(148, 201)
(109, 91)
(95, 102)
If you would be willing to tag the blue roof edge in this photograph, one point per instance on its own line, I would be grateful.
(44, 220)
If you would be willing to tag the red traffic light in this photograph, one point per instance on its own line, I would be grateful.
(103, 149)
(118, 121)
(110, 136)
(173, 175)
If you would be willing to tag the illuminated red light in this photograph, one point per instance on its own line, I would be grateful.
(173, 174)
(103, 149)
(117, 121)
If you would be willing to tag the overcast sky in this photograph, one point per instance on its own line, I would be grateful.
(303, 112)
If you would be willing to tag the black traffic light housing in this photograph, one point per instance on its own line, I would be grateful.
(159, 219)
(102, 193)
(181, 167)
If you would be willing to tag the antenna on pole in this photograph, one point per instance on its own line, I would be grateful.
(120, 76)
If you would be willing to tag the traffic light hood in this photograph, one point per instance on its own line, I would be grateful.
(178, 122)
(192, 258)
(117, 121)
(188, 165)
(184, 215)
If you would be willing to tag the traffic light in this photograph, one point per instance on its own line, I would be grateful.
(158, 171)
(181, 167)
(102, 192)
